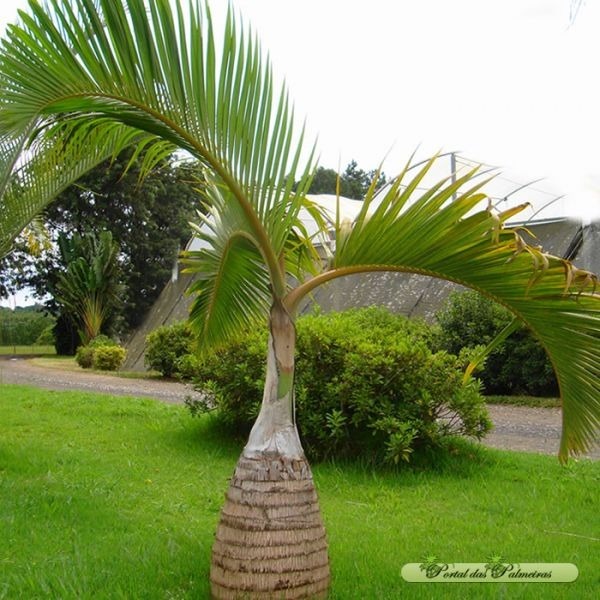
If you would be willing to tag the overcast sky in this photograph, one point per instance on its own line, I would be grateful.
(506, 82)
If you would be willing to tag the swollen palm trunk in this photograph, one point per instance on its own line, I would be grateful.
(270, 541)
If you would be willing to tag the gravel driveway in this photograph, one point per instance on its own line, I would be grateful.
(515, 427)
(23, 372)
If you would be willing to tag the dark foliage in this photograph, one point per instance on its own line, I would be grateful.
(65, 336)
(149, 221)
(518, 366)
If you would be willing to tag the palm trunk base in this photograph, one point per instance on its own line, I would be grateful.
(270, 541)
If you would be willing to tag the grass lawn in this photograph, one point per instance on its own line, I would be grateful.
(106, 497)
(20, 350)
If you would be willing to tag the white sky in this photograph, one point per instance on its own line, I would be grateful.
(506, 82)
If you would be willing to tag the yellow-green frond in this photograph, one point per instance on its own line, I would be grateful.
(32, 174)
(455, 239)
(159, 68)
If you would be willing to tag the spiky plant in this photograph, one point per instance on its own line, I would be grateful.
(88, 288)
(151, 66)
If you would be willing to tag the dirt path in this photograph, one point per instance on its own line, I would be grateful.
(515, 427)
(527, 429)
(21, 371)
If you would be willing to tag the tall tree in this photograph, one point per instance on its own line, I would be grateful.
(149, 220)
(152, 66)
(352, 183)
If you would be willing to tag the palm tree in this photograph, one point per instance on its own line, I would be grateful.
(146, 66)
(88, 288)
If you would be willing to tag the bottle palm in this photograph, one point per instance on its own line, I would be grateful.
(153, 67)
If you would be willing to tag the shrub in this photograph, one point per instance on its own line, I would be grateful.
(108, 358)
(167, 344)
(186, 367)
(102, 340)
(46, 337)
(85, 355)
(518, 366)
(367, 384)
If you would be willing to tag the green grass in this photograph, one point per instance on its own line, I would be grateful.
(20, 350)
(107, 497)
(532, 401)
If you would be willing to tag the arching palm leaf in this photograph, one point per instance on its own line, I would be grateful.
(144, 66)
(232, 287)
(232, 284)
(33, 174)
(150, 68)
(433, 235)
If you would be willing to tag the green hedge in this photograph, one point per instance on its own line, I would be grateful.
(167, 344)
(23, 326)
(108, 358)
(368, 384)
(101, 353)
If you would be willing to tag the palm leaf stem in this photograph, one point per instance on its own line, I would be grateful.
(481, 355)
(292, 299)
(194, 147)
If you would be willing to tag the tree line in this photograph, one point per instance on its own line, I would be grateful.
(24, 326)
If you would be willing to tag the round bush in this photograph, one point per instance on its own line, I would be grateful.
(102, 340)
(108, 358)
(84, 356)
(167, 344)
(517, 366)
(367, 384)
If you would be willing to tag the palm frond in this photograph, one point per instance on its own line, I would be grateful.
(232, 285)
(433, 235)
(150, 66)
(34, 173)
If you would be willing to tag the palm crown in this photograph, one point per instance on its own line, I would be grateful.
(87, 77)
